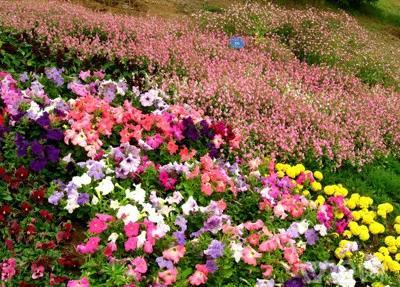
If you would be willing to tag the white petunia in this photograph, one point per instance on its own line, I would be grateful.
(138, 195)
(105, 186)
(95, 200)
(84, 179)
(114, 204)
(302, 227)
(141, 239)
(190, 206)
(343, 277)
(373, 265)
(113, 237)
(237, 250)
(128, 213)
(321, 229)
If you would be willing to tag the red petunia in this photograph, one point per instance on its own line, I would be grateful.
(22, 173)
(38, 195)
(26, 207)
(30, 229)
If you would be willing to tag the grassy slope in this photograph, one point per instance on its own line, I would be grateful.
(380, 179)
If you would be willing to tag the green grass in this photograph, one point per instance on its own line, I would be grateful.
(380, 180)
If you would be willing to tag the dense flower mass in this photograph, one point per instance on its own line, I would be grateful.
(145, 192)
(286, 109)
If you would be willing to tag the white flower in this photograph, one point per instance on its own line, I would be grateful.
(373, 265)
(68, 158)
(237, 250)
(114, 204)
(175, 198)
(84, 179)
(343, 277)
(129, 213)
(265, 283)
(105, 186)
(162, 230)
(113, 237)
(190, 206)
(71, 204)
(138, 195)
(147, 99)
(321, 229)
(95, 200)
(302, 227)
(141, 239)
(34, 111)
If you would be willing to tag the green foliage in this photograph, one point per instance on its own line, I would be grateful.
(353, 3)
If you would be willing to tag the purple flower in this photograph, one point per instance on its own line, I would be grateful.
(53, 153)
(83, 198)
(181, 222)
(206, 131)
(37, 149)
(24, 77)
(55, 134)
(180, 237)
(55, 198)
(294, 282)
(189, 130)
(22, 145)
(211, 266)
(163, 263)
(55, 75)
(38, 164)
(44, 120)
(215, 249)
(213, 223)
(311, 236)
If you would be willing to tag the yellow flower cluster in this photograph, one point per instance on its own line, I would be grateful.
(335, 190)
(290, 171)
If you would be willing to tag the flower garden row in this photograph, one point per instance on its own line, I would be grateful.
(108, 185)
(286, 108)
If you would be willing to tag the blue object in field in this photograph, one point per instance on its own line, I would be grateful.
(236, 43)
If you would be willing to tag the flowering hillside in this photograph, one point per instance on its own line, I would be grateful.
(144, 152)
(285, 108)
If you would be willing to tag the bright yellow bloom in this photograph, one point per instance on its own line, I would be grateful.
(356, 215)
(383, 250)
(316, 186)
(376, 228)
(318, 175)
(397, 228)
(390, 241)
(365, 202)
(392, 249)
(321, 200)
(329, 189)
(306, 193)
(280, 174)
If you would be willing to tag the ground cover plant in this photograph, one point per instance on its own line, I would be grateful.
(138, 152)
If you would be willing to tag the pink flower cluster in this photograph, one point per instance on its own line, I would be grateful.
(286, 109)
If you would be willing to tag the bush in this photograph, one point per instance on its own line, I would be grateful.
(353, 3)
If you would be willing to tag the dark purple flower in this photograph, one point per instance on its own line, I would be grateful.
(44, 120)
(55, 134)
(212, 223)
(311, 236)
(38, 164)
(189, 130)
(215, 249)
(294, 282)
(37, 149)
(22, 145)
(53, 153)
(213, 151)
(83, 198)
(206, 131)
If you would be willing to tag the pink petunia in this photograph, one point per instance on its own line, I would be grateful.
(97, 226)
(175, 253)
(84, 282)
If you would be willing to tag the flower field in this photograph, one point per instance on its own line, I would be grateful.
(151, 152)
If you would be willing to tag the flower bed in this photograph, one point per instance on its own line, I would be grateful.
(106, 185)
(285, 109)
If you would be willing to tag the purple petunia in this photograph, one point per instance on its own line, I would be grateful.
(55, 197)
(294, 282)
(215, 249)
(164, 263)
(38, 164)
(83, 198)
(55, 75)
(311, 236)
(211, 266)
(55, 134)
